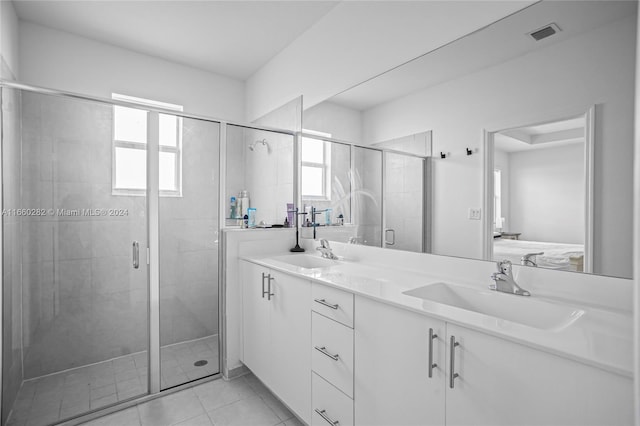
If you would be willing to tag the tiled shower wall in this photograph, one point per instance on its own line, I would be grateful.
(367, 199)
(12, 250)
(82, 300)
(189, 240)
(405, 188)
(266, 172)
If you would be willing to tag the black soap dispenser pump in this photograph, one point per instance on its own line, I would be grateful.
(297, 248)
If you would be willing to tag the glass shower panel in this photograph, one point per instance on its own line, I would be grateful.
(261, 163)
(331, 162)
(367, 195)
(188, 235)
(404, 201)
(84, 288)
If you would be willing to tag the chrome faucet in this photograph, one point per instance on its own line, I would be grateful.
(529, 259)
(325, 249)
(503, 280)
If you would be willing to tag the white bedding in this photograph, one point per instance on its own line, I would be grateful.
(556, 255)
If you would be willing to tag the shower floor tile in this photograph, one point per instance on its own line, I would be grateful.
(59, 396)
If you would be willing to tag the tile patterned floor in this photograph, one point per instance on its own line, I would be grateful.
(244, 401)
(52, 398)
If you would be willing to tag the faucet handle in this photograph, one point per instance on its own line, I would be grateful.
(504, 267)
(324, 243)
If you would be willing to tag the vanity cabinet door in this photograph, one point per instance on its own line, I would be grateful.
(392, 383)
(290, 341)
(256, 335)
(505, 383)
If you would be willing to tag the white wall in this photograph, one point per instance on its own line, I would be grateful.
(64, 61)
(356, 41)
(546, 194)
(8, 40)
(520, 92)
(340, 122)
(501, 161)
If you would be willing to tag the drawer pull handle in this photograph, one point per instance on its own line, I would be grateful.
(263, 292)
(323, 414)
(269, 293)
(452, 361)
(323, 350)
(432, 364)
(325, 303)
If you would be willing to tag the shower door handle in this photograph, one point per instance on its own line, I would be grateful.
(393, 236)
(136, 255)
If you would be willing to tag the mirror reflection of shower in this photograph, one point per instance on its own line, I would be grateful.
(252, 146)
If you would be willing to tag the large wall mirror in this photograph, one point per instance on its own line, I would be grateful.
(529, 123)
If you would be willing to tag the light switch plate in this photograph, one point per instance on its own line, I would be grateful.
(475, 214)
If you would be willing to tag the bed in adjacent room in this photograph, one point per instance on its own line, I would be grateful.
(568, 257)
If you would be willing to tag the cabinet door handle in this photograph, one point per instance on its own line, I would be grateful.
(325, 303)
(432, 364)
(324, 351)
(263, 277)
(269, 279)
(323, 414)
(452, 361)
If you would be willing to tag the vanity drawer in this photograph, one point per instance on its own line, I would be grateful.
(329, 402)
(333, 303)
(332, 352)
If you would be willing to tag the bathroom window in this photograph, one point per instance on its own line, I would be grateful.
(130, 148)
(316, 166)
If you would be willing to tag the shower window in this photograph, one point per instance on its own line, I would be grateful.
(316, 167)
(130, 144)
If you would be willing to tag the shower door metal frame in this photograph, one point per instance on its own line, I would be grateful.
(426, 189)
(153, 232)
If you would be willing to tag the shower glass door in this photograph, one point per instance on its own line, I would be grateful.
(189, 159)
(78, 328)
(367, 195)
(404, 195)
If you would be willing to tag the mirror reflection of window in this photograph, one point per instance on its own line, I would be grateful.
(130, 148)
(316, 166)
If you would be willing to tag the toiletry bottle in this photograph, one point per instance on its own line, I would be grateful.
(251, 212)
(245, 221)
(327, 217)
(286, 222)
(290, 212)
(232, 208)
(243, 198)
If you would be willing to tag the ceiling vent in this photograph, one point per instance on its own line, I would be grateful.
(544, 32)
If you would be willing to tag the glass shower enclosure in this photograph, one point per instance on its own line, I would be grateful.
(110, 222)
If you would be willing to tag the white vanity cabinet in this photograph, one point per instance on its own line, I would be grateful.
(498, 382)
(276, 335)
(505, 383)
(393, 383)
(332, 356)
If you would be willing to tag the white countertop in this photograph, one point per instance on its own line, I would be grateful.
(600, 337)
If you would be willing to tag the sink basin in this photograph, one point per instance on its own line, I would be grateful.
(524, 310)
(306, 261)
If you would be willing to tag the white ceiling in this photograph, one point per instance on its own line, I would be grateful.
(232, 38)
(541, 136)
(499, 42)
